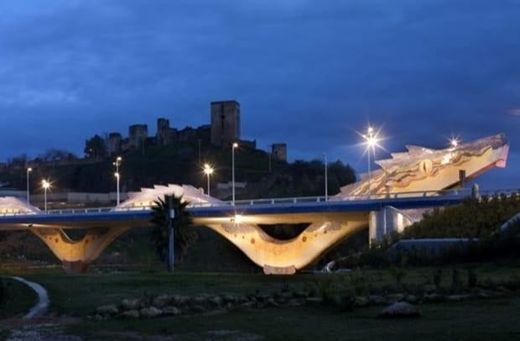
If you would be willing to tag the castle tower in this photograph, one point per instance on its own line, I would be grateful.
(138, 133)
(279, 151)
(225, 122)
(163, 135)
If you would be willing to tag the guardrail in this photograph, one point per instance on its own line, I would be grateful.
(462, 193)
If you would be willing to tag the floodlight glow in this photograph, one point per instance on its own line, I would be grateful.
(454, 142)
(238, 219)
(208, 170)
(46, 184)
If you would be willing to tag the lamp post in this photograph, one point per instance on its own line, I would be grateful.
(454, 142)
(117, 163)
(233, 147)
(29, 170)
(325, 161)
(45, 185)
(208, 170)
(371, 141)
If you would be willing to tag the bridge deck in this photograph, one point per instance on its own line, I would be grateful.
(141, 216)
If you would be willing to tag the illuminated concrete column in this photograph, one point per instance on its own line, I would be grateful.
(77, 255)
(287, 256)
(385, 222)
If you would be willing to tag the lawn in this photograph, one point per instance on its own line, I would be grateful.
(79, 295)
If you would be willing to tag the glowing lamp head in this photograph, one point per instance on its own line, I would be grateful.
(46, 184)
(235, 145)
(29, 170)
(119, 159)
(238, 219)
(372, 141)
(117, 175)
(208, 170)
(454, 143)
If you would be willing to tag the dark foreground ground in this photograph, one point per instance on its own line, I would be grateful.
(74, 297)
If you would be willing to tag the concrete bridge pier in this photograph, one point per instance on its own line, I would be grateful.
(386, 221)
(285, 257)
(77, 255)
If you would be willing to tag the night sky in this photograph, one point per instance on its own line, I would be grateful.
(306, 72)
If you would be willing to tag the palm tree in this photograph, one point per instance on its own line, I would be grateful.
(170, 234)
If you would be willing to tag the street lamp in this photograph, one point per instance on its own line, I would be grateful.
(325, 161)
(233, 147)
(117, 163)
(208, 170)
(29, 170)
(371, 141)
(45, 185)
(454, 142)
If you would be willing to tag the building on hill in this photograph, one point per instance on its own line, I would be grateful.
(114, 143)
(138, 134)
(165, 134)
(225, 122)
(279, 151)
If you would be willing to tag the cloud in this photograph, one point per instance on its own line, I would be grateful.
(513, 112)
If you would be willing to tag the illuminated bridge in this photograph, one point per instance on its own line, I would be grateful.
(390, 200)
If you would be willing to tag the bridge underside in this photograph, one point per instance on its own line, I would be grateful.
(287, 256)
(274, 256)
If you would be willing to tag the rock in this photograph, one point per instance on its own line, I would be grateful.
(300, 294)
(377, 300)
(161, 301)
(130, 314)
(457, 298)
(130, 303)
(150, 312)
(199, 300)
(178, 300)
(271, 302)
(216, 301)
(98, 317)
(109, 309)
(171, 311)
(228, 298)
(361, 301)
(248, 305)
(400, 310)
(395, 297)
(433, 298)
(263, 297)
(411, 299)
(198, 309)
(296, 302)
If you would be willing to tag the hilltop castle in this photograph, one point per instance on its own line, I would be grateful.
(224, 130)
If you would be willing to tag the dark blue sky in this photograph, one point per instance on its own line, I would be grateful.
(306, 72)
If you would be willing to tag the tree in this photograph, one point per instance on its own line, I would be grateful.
(95, 148)
(183, 234)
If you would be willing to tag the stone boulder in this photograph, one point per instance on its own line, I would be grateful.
(150, 312)
(130, 314)
(161, 301)
(400, 310)
(130, 303)
(109, 309)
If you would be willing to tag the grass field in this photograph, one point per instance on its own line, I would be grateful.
(78, 296)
